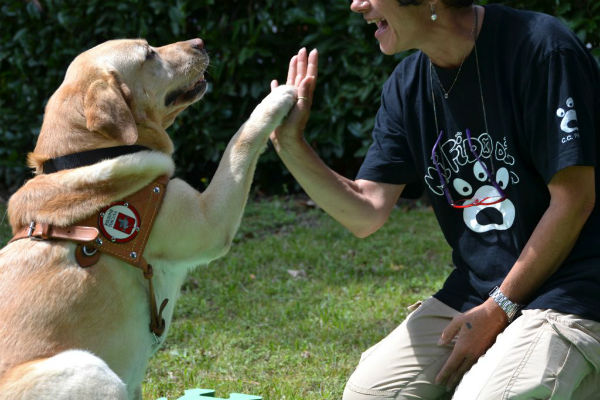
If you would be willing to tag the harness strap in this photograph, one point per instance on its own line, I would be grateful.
(44, 231)
(121, 230)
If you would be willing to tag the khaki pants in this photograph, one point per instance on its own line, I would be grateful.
(541, 355)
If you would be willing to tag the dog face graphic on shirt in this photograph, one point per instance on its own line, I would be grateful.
(467, 179)
(568, 121)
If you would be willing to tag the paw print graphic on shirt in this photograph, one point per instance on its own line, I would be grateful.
(467, 179)
(568, 115)
(483, 218)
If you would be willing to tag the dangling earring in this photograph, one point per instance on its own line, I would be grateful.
(433, 13)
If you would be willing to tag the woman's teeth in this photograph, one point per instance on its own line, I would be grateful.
(380, 22)
(377, 21)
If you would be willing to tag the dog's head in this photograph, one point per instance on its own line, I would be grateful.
(122, 92)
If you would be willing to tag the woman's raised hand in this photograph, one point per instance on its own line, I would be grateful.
(302, 73)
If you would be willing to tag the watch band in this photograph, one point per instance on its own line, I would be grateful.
(505, 304)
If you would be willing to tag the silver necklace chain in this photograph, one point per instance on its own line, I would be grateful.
(447, 92)
(437, 77)
(431, 71)
(485, 122)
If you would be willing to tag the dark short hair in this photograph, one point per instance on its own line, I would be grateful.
(449, 3)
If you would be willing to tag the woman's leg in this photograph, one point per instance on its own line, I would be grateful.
(543, 354)
(405, 363)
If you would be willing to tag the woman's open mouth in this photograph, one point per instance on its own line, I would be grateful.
(382, 26)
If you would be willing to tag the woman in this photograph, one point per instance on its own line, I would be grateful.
(496, 117)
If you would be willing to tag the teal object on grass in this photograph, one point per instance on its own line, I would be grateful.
(200, 394)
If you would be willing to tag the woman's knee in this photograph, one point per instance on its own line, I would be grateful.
(353, 392)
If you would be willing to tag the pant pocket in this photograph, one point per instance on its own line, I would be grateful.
(586, 342)
(583, 360)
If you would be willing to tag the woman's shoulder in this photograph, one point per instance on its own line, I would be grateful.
(506, 15)
(409, 68)
(407, 77)
(530, 32)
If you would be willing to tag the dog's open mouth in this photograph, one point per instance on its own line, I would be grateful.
(186, 96)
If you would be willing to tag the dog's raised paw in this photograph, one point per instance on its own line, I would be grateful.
(282, 98)
(273, 109)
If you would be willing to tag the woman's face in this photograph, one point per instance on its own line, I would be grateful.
(399, 28)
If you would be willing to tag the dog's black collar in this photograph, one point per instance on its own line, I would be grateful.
(89, 157)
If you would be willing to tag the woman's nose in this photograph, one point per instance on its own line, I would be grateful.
(359, 6)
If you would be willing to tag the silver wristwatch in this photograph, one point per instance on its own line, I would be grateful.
(505, 304)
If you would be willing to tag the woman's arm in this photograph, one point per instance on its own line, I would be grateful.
(361, 206)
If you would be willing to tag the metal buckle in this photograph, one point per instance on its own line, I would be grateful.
(31, 230)
(89, 251)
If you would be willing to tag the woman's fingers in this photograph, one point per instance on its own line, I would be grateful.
(307, 82)
(291, 78)
(313, 63)
(302, 65)
(460, 372)
(305, 93)
(450, 331)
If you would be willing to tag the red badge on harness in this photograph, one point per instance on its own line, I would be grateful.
(119, 222)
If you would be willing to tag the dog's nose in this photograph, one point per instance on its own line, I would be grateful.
(197, 44)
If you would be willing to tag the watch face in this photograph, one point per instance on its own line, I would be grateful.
(119, 222)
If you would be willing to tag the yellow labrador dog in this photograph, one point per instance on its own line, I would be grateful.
(73, 329)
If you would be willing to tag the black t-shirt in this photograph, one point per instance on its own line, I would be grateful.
(541, 93)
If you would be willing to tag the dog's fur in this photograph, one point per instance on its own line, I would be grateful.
(72, 333)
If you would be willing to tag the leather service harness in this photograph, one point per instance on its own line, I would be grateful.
(121, 229)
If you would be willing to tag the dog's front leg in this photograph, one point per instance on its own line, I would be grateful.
(226, 196)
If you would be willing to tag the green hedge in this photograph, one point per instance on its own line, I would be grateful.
(250, 43)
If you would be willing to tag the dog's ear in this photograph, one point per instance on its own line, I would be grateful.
(107, 110)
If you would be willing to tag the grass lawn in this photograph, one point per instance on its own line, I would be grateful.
(287, 313)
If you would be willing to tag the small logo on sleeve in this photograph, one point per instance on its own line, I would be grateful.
(568, 121)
